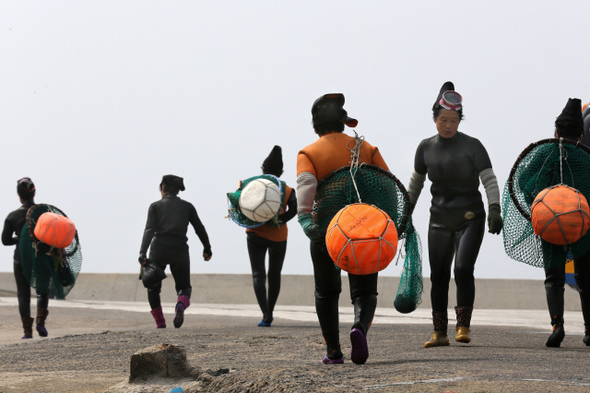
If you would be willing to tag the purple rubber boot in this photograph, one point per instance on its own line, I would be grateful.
(159, 318)
(334, 356)
(183, 303)
(41, 317)
(359, 352)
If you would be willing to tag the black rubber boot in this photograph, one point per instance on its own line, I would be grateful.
(364, 311)
(555, 339)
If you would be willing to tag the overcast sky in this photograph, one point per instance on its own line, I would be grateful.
(99, 99)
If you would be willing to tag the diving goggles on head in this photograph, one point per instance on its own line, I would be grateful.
(451, 100)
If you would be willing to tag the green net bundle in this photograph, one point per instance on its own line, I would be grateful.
(381, 188)
(48, 269)
(542, 164)
(233, 198)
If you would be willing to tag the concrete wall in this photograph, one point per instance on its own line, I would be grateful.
(297, 290)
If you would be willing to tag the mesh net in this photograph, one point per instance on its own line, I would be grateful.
(48, 269)
(381, 188)
(542, 164)
(233, 199)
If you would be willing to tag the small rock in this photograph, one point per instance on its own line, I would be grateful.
(160, 361)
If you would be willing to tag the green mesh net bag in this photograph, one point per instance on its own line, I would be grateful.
(48, 269)
(376, 186)
(541, 165)
(233, 198)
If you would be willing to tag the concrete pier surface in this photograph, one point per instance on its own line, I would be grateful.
(91, 340)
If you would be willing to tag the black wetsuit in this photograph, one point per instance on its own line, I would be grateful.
(13, 225)
(257, 248)
(457, 214)
(165, 235)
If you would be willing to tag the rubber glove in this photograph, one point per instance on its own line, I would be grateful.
(310, 228)
(495, 223)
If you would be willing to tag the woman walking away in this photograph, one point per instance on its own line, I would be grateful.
(553, 231)
(455, 164)
(11, 233)
(165, 235)
(272, 238)
(315, 162)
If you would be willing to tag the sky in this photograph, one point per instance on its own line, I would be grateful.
(100, 99)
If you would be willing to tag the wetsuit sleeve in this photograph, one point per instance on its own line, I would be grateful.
(415, 186)
(490, 183)
(419, 162)
(307, 185)
(148, 233)
(7, 238)
(200, 230)
(481, 158)
(291, 208)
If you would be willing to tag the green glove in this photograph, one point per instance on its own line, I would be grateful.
(495, 223)
(310, 228)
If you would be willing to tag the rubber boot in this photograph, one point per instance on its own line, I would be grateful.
(327, 312)
(28, 327)
(555, 339)
(463, 322)
(438, 338)
(183, 303)
(41, 316)
(587, 335)
(159, 318)
(266, 320)
(333, 356)
(364, 311)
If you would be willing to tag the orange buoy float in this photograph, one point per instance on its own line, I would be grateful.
(55, 230)
(361, 239)
(560, 215)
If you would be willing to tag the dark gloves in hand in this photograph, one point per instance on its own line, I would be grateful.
(495, 223)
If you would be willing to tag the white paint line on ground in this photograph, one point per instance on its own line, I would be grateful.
(439, 380)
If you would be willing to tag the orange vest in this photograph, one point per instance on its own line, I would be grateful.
(330, 153)
(273, 233)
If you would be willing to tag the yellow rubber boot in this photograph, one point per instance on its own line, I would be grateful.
(437, 339)
(462, 334)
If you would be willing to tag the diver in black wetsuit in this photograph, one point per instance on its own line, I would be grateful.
(455, 164)
(165, 235)
(568, 125)
(272, 238)
(13, 225)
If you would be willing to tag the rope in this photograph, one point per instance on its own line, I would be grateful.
(355, 158)
(561, 160)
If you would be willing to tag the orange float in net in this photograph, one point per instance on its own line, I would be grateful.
(55, 230)
(361, 239)
(560, 215)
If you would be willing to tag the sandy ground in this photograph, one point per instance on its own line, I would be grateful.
(89, 349)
